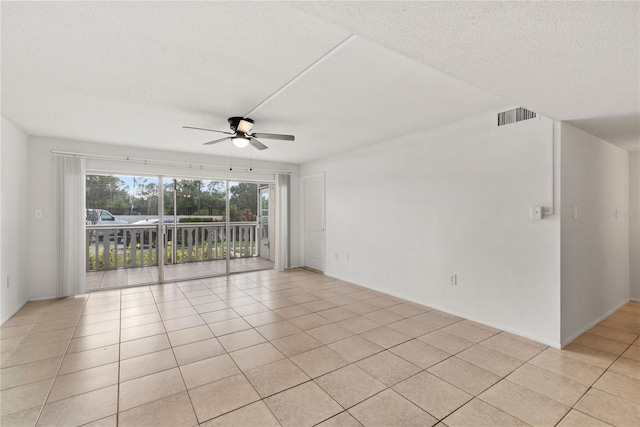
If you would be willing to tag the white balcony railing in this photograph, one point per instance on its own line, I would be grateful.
(132, 246)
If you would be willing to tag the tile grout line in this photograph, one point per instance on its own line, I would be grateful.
(345, 410)
(55, 377)
(572, 407)
(119, 348)
(426, 369)
(505, 379)
(492, 385)
(442, 379)
(594, 383)
(186, 389)
(261, 399)
(313, 290)
(119, 355)
(399, 356)
(214, 335)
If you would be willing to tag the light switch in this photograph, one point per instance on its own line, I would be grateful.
(575, 212)
(536, 212)
(38, 213)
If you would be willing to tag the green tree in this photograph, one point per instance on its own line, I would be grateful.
(243, 196)
(107, 192)
(144, 200)
(195, 197)
(216, 196)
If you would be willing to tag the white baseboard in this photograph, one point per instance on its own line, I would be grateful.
(505, 328)
(592, 324)
(7, 317)
(42, 298)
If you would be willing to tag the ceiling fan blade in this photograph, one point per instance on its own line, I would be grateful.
(210, 130)
(273, 136)
(216, 141)
(257, 144)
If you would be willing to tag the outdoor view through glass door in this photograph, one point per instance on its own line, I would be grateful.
(266, 223)
(197, 235)
(118, 249)
(194, 228)
(245, 222)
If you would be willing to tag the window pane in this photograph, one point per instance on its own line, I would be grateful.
(119, 236)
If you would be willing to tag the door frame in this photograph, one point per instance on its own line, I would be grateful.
(261, 224)
(303, 219)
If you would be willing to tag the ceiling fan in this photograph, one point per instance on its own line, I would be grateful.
(241, 135)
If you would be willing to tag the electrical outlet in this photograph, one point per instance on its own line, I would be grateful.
(8, 282)
(453, 279)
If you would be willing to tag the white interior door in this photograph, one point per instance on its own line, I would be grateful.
(314, 218)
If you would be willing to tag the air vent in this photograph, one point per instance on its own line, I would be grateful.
(516, 115)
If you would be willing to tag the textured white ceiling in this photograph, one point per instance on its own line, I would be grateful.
(132, 73)
(575, 61)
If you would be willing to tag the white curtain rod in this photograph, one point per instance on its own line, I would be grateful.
(163, 162)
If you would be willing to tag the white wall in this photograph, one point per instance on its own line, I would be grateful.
(42, 239)
(14, 253)
(452, 200)
(595, 247)
(634, 225)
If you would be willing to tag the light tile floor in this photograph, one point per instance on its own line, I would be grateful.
(298, 348)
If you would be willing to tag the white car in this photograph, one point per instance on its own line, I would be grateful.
(102, 217)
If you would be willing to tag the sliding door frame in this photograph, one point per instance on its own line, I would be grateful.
(162, 237)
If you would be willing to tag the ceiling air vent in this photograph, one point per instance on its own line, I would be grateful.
(516, 115)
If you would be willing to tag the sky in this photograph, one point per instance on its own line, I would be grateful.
(128, 180)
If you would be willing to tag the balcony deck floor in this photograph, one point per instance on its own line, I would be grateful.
(110, 279)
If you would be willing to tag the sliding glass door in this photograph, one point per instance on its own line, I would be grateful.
(143, 229)
(264, 223)
(195, 228)
(243, 227)
(119, 233)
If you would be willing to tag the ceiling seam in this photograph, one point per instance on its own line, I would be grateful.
(304, 72)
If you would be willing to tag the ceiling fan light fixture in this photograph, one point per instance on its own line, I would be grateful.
(245, 125)
(241, 135)
(240, 140)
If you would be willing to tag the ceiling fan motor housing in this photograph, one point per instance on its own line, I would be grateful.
(240, 124)
(241, 135)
